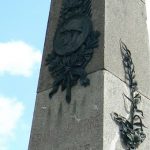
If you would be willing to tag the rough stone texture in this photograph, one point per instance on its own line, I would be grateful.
(117, 19)
(78, 126)
(114, 102)
(45, 80)
(126, 20)
(86, 123)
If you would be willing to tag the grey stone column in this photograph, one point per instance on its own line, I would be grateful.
(86, 123)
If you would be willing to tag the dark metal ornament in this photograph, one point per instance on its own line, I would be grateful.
(131, 130)
(72, 35)
(73, 46)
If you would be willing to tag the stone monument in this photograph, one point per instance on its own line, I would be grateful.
(83, 47)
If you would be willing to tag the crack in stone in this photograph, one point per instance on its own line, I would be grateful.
(102, 69)
(125, 82)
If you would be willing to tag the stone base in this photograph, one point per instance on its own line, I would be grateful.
(86, 123)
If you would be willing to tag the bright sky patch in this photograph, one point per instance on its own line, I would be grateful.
(11, 111)
(18, 58)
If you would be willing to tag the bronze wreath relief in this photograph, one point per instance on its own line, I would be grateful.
(73, 46)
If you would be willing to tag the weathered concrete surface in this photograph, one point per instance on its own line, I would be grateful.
(97, 62)
(45, 79)
(117, 19)
(78, 126)
(114, 102)
(126, 20)
(86, 123)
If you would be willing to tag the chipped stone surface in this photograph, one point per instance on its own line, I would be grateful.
(77, 126)
(85, 123)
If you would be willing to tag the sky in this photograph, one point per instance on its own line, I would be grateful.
(22, 33)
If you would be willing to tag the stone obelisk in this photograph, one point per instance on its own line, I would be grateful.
(79, 118)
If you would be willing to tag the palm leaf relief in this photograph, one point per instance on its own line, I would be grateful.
(131, 129)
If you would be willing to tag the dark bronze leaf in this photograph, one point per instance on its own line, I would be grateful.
(131, 130)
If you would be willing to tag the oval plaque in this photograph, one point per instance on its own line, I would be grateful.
(72, 35)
